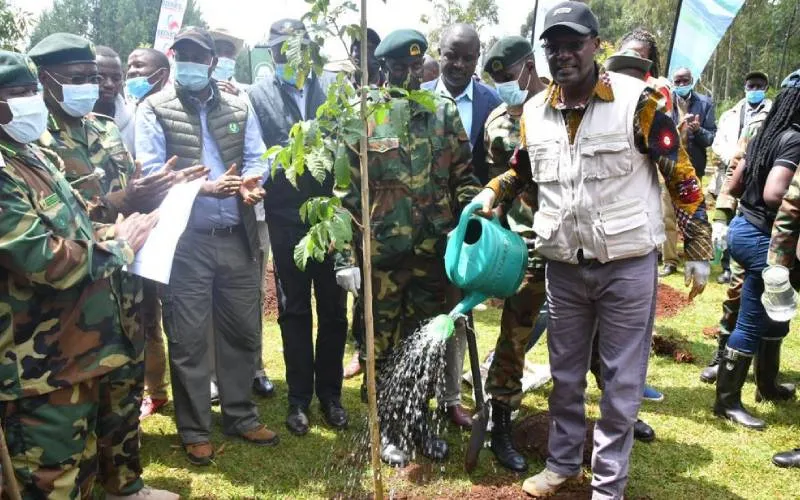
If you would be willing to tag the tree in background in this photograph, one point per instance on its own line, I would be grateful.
(478, 13)
(243, 72)
(14, 25)
(121, 24)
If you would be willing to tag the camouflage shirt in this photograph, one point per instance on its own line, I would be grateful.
(93, 147)
(59, 311)
(786, 228)
(420, 176)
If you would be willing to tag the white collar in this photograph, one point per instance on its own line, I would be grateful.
(440, 87)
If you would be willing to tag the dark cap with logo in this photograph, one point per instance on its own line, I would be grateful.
(16, 70)
(507, 52)
(198, 36)
(400, 44)
(576, 16)
(62, 48)
(282, 30)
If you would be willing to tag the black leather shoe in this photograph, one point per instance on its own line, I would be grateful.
(263, 386)
(334, 414)
(297, 421)
(434, 448)
(667, 270)
(392, 456)
(214, 394)
(643, 432)
(787, 458)
(725, 277)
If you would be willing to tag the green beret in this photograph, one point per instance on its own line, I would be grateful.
(16, 70)
(62, 48)
(507, 52)
(400, 44)
(628, 59)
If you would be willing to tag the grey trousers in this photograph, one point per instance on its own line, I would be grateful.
(619, 298)
(212, 276)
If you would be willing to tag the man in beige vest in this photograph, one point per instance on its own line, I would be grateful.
(593, 143)
(215, 269)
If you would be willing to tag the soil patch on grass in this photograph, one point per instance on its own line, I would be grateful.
(270, 300)
(669, 301)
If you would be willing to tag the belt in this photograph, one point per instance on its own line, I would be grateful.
(219, 231)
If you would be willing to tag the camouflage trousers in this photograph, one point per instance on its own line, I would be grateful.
(504, 380)
(60, 441)
(404, 296)
(730, 306)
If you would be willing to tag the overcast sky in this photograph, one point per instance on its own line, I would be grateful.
(251, 18)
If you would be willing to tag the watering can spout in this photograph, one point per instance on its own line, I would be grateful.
(467, 304)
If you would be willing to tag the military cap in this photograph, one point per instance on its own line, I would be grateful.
(16, 69)
(628, 59)
(197, 36)
(402, 43)
(282, 30)
(507, 52)
(62, 48)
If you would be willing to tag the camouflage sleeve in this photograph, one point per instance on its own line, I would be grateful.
(464, 185)
(786, 229)
(28, 247)
(657, 137)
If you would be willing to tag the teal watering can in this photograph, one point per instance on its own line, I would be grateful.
(484, 259)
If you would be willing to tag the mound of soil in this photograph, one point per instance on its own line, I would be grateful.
(670, 348)
(711, 332)
(270, 304)
(669, 301)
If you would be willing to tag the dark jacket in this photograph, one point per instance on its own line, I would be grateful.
(484, 100)
(698, 142)
(277, 112)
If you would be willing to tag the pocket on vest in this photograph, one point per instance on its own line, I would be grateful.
(544, 162)
(622, 230)
(605, 156)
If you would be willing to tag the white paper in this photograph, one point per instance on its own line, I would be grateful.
(154, 259)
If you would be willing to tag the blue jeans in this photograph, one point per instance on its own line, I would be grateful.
(749, 246)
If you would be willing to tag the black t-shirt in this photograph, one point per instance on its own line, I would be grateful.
(785, 154)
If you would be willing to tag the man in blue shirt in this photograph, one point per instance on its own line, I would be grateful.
(215, 270)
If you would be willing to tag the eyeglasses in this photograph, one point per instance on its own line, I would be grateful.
(76, 79)
(551, 49)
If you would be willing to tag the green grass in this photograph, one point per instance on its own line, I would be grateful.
(695, 456)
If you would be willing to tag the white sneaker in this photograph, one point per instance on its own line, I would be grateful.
(544, 483)
(146, 493)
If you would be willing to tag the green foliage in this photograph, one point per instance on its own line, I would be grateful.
(122, 25)
(478, 13)
(14, 26)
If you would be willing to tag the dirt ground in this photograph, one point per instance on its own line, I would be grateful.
(270, 303)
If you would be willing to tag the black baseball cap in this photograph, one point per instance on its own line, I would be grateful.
(282, 30)
(576, 16)
(197, 36)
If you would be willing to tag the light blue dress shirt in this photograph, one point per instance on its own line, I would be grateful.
(463, 102)
(298, 96)
(207, 212)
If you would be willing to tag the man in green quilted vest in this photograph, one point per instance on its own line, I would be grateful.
(215, 271)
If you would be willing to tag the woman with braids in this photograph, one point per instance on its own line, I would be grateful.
(762, 180)
(644, 43)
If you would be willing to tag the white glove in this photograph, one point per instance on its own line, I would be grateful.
(486, 198)
(719, 235)
(695, 273)
(349, 278)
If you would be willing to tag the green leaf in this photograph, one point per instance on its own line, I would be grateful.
(341, 168)
(341, 229)
(298, 149)
(319, 163)
(303, 252)
(424, 98)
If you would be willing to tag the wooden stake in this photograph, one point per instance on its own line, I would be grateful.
(11, 487)
(366, 236)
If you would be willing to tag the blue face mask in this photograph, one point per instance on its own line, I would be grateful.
(138, 87)
(684, 90)
(755, 96)
(280, 70)
(224, 70)
(192, 76)
(510, 92)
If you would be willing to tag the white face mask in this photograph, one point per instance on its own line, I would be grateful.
(79, 100)
(28, 118)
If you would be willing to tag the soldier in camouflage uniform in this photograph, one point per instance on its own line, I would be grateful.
(63, 335)
(100, 168)
(420, 177)
(510, 64)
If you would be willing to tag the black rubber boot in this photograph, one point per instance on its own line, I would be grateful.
(732, 373)
(765, 371)
(502, 446)
(709, 373)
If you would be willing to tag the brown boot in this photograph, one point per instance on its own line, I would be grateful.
(199, 453)
(353, 368)
(460, 417)
(261, 436)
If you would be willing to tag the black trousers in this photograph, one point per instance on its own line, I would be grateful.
(310, 368)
